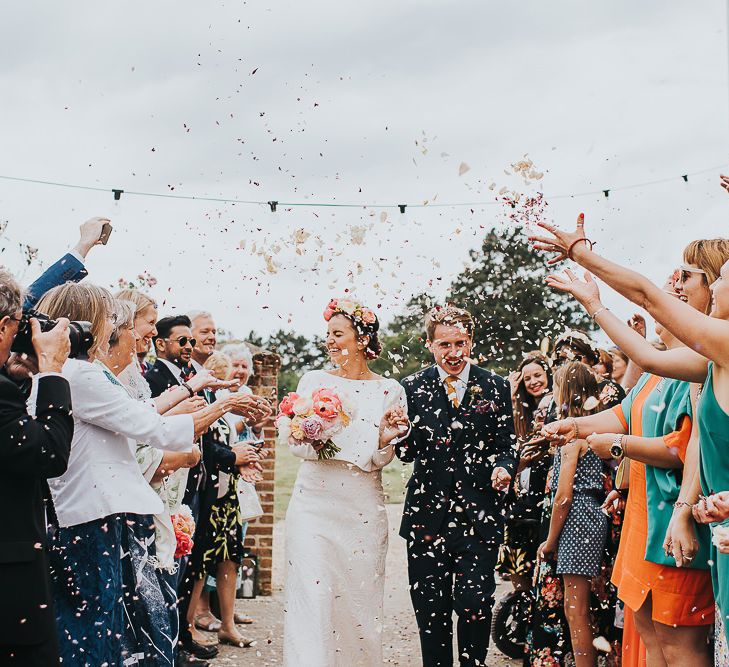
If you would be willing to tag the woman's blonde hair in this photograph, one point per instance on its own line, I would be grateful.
(574, 384)
(140, 300)
(80, 301)
(709, 255)
(219, 364)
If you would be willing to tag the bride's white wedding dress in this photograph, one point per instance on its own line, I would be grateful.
(336, 536)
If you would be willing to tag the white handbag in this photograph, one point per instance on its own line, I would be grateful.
(250, 506)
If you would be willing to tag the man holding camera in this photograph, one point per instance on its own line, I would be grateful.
(33, 448)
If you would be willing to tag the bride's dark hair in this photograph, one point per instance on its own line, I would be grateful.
(370, 331)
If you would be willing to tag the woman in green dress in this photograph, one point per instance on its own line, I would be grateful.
(704, 360)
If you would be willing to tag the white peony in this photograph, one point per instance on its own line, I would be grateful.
(283, 424)
(302, 405)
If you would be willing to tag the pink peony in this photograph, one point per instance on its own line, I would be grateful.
(329, 310)
(312, 428)
(368, 317)
(326, 403)
(286, 407)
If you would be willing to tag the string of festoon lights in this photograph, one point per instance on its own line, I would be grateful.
(275, 204)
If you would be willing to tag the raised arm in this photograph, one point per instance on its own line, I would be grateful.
(97, 401)
(70, 268)
(681, 363)
(707, 335)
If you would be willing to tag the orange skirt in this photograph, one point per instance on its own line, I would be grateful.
(680, 596)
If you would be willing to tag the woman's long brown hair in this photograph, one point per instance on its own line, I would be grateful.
(574, 384)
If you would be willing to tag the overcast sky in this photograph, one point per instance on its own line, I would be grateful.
(353, 102)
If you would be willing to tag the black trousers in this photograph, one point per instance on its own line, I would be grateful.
(36, 655)
(190, 567)
(452, 571)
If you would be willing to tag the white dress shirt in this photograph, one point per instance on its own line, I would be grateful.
(103, 476)
(176, 370)
(460, 384)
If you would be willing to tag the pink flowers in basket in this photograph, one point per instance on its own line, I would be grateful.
(314, 420)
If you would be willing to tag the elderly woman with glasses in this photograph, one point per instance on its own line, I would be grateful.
(102, 501)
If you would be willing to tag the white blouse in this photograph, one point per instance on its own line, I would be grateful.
(103, 476)
(360, 441)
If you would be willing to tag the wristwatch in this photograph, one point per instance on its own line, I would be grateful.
(616, 449)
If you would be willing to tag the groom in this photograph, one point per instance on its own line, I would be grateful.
(462, 446)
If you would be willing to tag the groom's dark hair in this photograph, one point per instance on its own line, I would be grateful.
(450, 316)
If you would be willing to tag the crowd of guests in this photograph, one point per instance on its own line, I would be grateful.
(126, 484)
(132, 447)
(617, 525)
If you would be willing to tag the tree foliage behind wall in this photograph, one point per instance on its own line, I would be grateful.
(514, 310)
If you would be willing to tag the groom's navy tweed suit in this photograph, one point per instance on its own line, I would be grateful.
(452, 518)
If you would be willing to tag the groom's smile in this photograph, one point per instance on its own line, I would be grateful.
(451, 348)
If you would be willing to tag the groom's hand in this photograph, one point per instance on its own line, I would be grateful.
(500, 479)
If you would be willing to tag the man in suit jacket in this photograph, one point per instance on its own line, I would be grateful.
(32, 449)
(462, 446)
(173, 345)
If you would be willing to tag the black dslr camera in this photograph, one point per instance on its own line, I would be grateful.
(79, 332)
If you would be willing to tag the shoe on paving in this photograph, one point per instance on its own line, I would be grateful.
(200, 651)
(185, 659)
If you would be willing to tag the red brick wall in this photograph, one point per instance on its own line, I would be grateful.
(259, 537)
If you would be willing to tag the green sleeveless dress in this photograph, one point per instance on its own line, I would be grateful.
(714, 443)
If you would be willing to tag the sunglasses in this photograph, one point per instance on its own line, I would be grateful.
(183, 340)
(684, 271)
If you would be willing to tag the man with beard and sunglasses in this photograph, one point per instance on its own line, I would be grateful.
(173, 345)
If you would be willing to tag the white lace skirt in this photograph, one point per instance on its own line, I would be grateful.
(336, 542)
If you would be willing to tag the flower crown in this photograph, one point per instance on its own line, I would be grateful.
(359, 313)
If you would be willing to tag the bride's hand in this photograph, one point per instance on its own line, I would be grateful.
(394, 424)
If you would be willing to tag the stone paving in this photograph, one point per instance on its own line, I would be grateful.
(400, 634)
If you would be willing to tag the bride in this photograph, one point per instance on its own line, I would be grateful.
(336, 524)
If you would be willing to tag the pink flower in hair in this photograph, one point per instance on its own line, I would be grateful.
(330, 309)
(368, 316)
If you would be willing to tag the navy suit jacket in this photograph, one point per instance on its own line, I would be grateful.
(454, 451)
(67, 269)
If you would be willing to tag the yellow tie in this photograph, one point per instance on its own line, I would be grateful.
(450, 383)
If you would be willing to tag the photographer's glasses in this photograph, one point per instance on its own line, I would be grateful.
(23, 322)
(184, 340)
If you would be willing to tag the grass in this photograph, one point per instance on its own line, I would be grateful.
(394, 477)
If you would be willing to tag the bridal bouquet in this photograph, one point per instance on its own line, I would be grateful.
(184, 526)
(314, 420)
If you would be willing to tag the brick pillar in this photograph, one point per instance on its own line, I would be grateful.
(259, 537)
